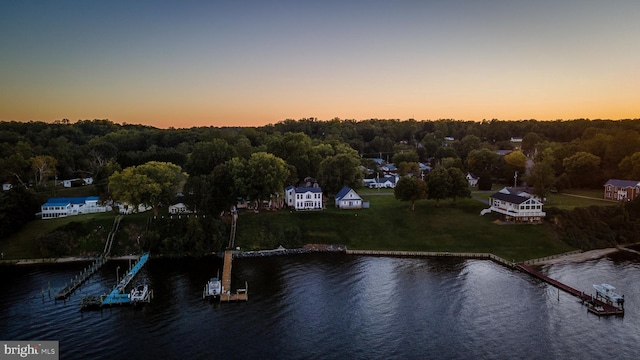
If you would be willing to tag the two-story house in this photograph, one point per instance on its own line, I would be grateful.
(621, 190)
(521, 208)
(304, 198)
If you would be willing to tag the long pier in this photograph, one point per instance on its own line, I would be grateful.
(596, 306)
(226, 295)
(79, 279)
(117, 295)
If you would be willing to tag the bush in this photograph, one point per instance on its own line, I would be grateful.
(597, 226)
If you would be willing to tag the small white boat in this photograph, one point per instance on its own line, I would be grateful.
(606, 292)
(213, 288)
(139, 294)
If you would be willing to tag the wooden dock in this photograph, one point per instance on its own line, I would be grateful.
(79, 279)
(595, 305)
(226, 295)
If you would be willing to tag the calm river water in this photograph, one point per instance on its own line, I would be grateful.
(331, 306)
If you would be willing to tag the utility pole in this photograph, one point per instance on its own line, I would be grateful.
(515, 180)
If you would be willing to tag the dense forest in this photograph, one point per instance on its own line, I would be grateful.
(219, 165)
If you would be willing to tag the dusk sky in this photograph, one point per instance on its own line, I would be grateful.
(250, 63)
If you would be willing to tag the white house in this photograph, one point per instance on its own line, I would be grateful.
(304, 198)
(370, 183)
(386, 182)
(61, 207)
(520, 192)
(516, 208)
(77, 182)
(125, 208)
(289, 196)
(178, 208)
(472, 179)
(347, 198)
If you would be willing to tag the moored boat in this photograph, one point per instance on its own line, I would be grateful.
(606, 292)
(139, 294)
(213, 289)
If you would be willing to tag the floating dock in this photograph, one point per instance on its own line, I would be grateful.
(117, 297)
(594, 304)
(226, 295)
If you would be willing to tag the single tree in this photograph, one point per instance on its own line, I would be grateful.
(483, 161)
(541, 175)
(338, 171)
(410, 189)
(514, 162)
(151, 184)
(439, 184)
(43, 166)
(259, 177)
(459, 184)
(406, 168)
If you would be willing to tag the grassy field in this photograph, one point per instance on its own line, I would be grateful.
(24, 244)
(389, 225)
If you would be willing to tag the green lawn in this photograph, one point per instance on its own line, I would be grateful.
(387, 225)
(24, 244)
(584, 198)
(390, 225)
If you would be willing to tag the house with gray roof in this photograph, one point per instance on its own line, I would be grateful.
(518, 208)
(303, 197)
(621, 190)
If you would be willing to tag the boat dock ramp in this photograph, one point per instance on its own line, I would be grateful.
(117, 296)
(595, 304)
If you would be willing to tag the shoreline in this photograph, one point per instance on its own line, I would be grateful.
(320, 248)
(63, 260)
(578, 257)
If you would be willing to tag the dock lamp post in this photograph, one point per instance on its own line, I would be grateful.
(117, 274)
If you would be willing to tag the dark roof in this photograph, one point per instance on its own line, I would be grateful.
(514, 199)
(622, 183)
(344, 191)
(303, 189)
(392, 179)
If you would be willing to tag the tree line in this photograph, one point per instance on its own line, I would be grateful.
(215, 165)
